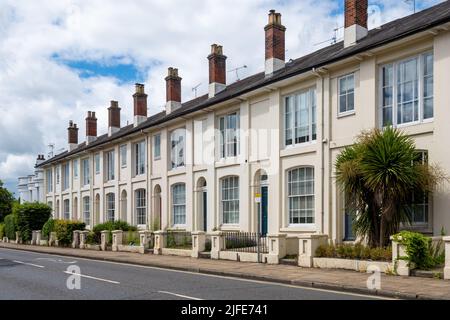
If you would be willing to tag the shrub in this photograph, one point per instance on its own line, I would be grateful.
(48, 228)
(91, 239)
(64, 230)
(2, 230)
(11, 226)
(111, 226)
(357, 251)
(420, 252)
(31, 216)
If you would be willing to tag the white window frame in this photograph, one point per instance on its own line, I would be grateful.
(86, 172)
(426, 204)
(66, 177)
(235, 202)
(110, 206)
(175, 149)
(66, 209)
(110, 168)
(305, 195)
(157, 147)
(97, 163)
(312, 117)
(346, 94)
(49, 180)
(75, 169)
(140, 158)
(420, 87)
(58, 174)
(140, 206)
(123, 156)
(229, 137)
(178, 205)
(86, 210)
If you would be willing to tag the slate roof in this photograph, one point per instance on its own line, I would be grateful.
(377, 37)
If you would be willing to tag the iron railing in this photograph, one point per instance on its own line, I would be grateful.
(246, 242)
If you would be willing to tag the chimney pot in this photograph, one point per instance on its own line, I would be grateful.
(91, 127)
(140, 104)
(113, 117)
(173, 90)
(72, 135)
(355, 21)
(217, 70)
(275, 43)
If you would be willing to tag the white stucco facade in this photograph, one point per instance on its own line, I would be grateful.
(261, 150)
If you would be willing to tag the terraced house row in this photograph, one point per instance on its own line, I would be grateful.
(260, 152)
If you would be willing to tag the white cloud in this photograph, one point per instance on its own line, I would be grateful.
(39, 95)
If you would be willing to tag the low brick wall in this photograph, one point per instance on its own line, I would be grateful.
(347, 264)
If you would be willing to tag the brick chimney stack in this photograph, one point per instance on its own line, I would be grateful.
(173, 90)
(72, 135)
(217, 70)
(91, 127)
(355, 21)
(275, 43)
(140, 104)
(113, 118)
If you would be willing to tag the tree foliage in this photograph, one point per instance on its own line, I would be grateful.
(6, 202)
(378, 175)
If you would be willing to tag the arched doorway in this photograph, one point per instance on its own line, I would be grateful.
(157, 218)
(202, 205)
(123, 205)
(262, 204)
(97, 209)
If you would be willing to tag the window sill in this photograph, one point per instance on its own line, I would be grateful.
(229, 227)
(299, 228)
(307, 147)
(346, 114)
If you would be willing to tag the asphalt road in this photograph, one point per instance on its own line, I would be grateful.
(27, 275)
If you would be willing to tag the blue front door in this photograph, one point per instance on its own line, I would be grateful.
(264, 209)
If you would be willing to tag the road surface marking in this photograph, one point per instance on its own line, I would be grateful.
(212, 275)
(179, 295)
(57, 261)
(90, 277)
(29, 264)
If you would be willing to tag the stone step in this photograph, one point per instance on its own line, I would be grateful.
(436, 273)
(205, 255)
(289, 262)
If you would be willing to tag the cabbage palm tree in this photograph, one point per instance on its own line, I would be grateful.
(378, 174)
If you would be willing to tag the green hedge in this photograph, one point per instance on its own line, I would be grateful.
(11, 226)
(354, 252)
(420, 252)
(2, 230)
(48, 228)
(31, 216)
(111, 226)
(64, 230)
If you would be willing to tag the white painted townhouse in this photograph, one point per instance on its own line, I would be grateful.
(274, 136)
(31, 188)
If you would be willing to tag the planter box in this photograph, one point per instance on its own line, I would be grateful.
(176, 252)
(347, 264)
(95, 247)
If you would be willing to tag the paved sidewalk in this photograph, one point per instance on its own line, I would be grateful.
(339, 280)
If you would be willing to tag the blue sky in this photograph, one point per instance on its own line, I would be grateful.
(62, 58)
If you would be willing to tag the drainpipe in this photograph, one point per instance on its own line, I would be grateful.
(318, 73)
